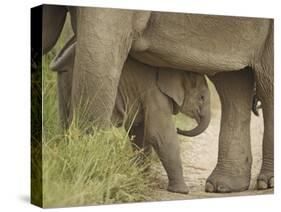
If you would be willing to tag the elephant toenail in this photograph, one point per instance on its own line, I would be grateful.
(209, 187)
(223, 189)
(261, 185)
(271, 182)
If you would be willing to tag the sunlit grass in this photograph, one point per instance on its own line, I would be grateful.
(101, 168)
(86, 168)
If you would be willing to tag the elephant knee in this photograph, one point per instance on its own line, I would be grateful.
(160, 141)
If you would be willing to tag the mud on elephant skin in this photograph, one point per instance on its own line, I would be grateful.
(146, 100)
(233, 51)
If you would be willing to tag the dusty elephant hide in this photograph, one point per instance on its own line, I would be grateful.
(234, 52)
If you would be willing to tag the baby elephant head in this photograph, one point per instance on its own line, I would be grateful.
(190, 94)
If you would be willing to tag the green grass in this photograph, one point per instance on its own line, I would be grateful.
(81, 169)
(86, 169)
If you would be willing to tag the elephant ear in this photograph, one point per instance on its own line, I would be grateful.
(64, 60)
(170, 82)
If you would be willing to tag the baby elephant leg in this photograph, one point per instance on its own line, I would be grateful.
(160, 132)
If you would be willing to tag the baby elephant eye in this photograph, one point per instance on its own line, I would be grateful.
(202, 98)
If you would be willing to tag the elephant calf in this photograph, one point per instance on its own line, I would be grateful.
(146, 100)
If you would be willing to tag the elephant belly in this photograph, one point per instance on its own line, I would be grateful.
(201, 43)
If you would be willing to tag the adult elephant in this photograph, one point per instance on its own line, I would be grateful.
(217, 46)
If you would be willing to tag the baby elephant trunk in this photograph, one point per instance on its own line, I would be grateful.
(203, 123)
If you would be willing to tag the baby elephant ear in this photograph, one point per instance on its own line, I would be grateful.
(64, 60)
(170, 82)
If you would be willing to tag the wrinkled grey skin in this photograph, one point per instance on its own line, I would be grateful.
(146, 99)
(233, 51)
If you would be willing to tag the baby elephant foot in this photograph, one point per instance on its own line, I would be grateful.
(222, 182)
(178, 188)
(265, 180)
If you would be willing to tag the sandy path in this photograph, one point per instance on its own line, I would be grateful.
(199, 156)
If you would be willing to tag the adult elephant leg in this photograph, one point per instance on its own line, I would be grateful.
(63, 65)
(53, 21)
(161, 133)
(64, 80)
(104, 37)
(266, 177)
(264, 76)
(233, 170)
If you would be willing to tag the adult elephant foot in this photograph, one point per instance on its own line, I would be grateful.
(265, 180)
(222, 181)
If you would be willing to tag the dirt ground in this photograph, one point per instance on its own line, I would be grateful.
(199, 156)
